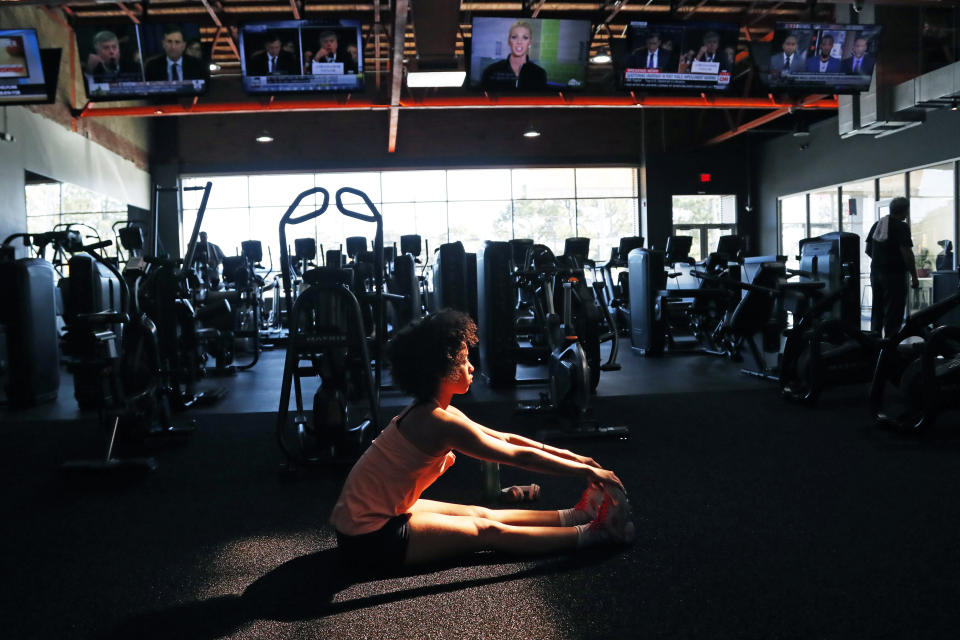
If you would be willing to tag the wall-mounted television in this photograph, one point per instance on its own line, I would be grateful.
(679, 55)
(135, 61)
(815, 57)
(301, 56)
(21, 67)
(527, 54)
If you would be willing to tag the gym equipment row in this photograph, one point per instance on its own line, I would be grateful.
(913, 377)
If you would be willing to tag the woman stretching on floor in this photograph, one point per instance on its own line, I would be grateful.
(379, 516)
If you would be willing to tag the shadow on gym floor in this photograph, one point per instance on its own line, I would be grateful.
(304, 589)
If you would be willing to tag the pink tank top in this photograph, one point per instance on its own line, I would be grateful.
(385, 482)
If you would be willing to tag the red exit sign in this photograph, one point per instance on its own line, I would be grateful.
(705, 177)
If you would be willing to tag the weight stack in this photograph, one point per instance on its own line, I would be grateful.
(647, 278)
(496, 298)
(30, 315)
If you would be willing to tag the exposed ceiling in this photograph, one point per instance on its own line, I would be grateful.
(219, 18)
(436, 29)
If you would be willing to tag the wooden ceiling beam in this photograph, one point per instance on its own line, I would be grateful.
(220, 25)
(401, 9)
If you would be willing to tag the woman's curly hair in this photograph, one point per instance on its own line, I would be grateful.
(425, 352)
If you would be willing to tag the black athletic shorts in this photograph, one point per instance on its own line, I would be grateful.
(384, 548)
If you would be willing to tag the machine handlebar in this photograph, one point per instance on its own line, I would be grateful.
(289, 218)
(103, 244)
(374, 216)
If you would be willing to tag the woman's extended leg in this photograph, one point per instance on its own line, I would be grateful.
(437, 536)
(524, 517)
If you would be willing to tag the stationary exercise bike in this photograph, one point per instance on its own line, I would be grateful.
(558, 317)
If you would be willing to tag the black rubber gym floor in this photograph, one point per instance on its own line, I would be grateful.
(755, 519)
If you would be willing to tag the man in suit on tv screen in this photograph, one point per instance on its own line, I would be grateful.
(860, 62)
(789, 60)
(172, 65)
(328, 51)
(825, 62)
(106, 62)
(653, 56)
(273, 60)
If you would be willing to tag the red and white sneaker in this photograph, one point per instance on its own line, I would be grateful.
(591, 500)
(613, 519)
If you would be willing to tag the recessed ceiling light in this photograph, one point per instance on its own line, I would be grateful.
(264, 138)
(531, 133)
(436, 78)
(602, 57)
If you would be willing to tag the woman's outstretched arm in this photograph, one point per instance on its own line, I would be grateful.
(471, 439)
(523, 441)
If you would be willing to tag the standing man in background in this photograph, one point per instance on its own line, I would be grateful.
(888, 245)
(207, 261)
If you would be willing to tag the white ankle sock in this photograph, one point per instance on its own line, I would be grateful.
(587, 537)
(571, 517)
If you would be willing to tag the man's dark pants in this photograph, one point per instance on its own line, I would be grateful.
(889, 301)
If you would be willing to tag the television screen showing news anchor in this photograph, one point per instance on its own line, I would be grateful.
(124, 60)
(21, 69)
(292, 56)
(806, 56)
(528, 54)
(679, 55)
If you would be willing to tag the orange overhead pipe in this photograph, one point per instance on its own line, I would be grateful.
(624, 100)
(462, 102)
(199, 108)
(764, 119)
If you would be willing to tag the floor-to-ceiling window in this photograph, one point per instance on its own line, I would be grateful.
(705, 218)
(469, 205)
(793, 226)
(858, 200)
(933, 212)
(824, 212)
(893, 186)
(50, 204)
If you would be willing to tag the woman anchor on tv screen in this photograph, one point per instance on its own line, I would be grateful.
(516, 71)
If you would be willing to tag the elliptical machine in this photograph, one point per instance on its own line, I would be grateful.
(115, 361)
(926, 370)
(327, 340)
(826, 347)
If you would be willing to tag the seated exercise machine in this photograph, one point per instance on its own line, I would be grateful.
(615, 293)
(563, 330)
(403, 280)
(673, 307)
(414, 245)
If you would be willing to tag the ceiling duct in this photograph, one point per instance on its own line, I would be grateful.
(435, 27)
(902, 106)
(873, 113)
(938, 89)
